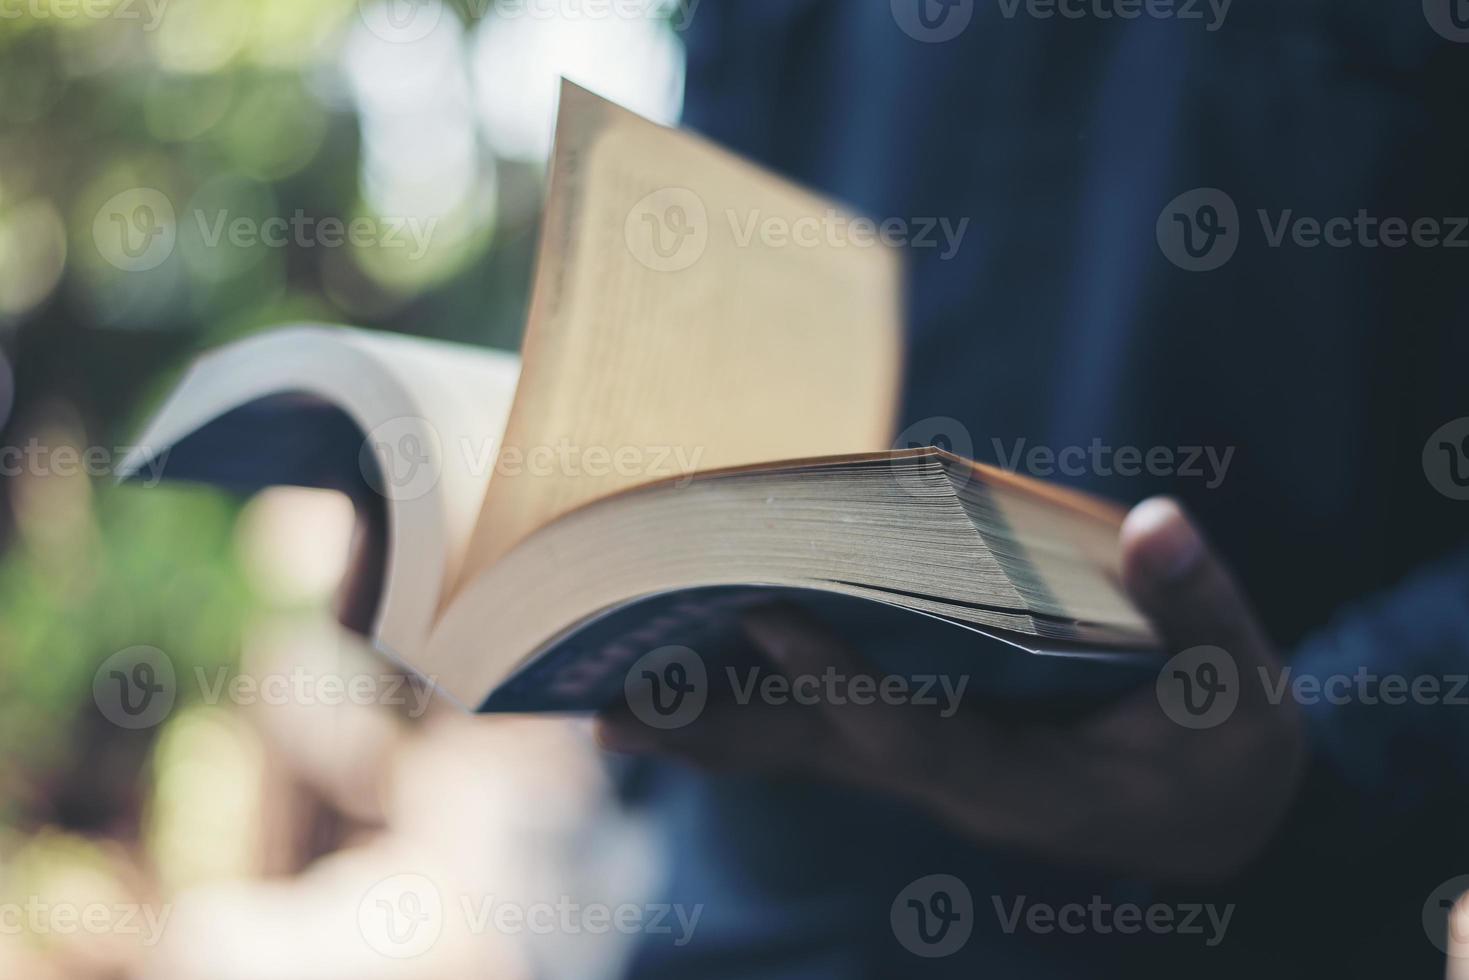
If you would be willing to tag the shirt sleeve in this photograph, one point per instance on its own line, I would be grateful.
(1384, 693)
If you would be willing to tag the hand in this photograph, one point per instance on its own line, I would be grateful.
(1128, 789)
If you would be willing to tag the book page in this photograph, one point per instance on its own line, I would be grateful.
(423, 418)
(690, 312)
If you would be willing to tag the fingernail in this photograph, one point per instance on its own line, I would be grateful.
(1170, 546)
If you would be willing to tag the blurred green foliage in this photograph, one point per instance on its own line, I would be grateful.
(152, 567)
(224, 106)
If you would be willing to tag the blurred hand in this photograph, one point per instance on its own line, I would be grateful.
(1129, 789)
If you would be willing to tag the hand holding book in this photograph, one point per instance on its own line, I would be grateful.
(1128, 788)
(771, 377)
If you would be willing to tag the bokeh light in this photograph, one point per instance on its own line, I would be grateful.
(636, 61)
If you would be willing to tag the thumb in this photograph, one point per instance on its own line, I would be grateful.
(1178, 581)
(1458, 939)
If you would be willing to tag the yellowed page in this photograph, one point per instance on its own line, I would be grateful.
(757, 325)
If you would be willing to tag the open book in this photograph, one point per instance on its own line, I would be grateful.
(701, 418)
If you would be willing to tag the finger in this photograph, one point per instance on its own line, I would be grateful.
(807, 652)
(800, 645)
(1458, 939)
(893, 744)
(1181, 585)
(818, 726)
(744, 727)
(749, 737)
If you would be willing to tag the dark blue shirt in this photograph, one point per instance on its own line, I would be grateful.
(1067, 317)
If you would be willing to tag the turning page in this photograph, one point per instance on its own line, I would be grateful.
(689, 312)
